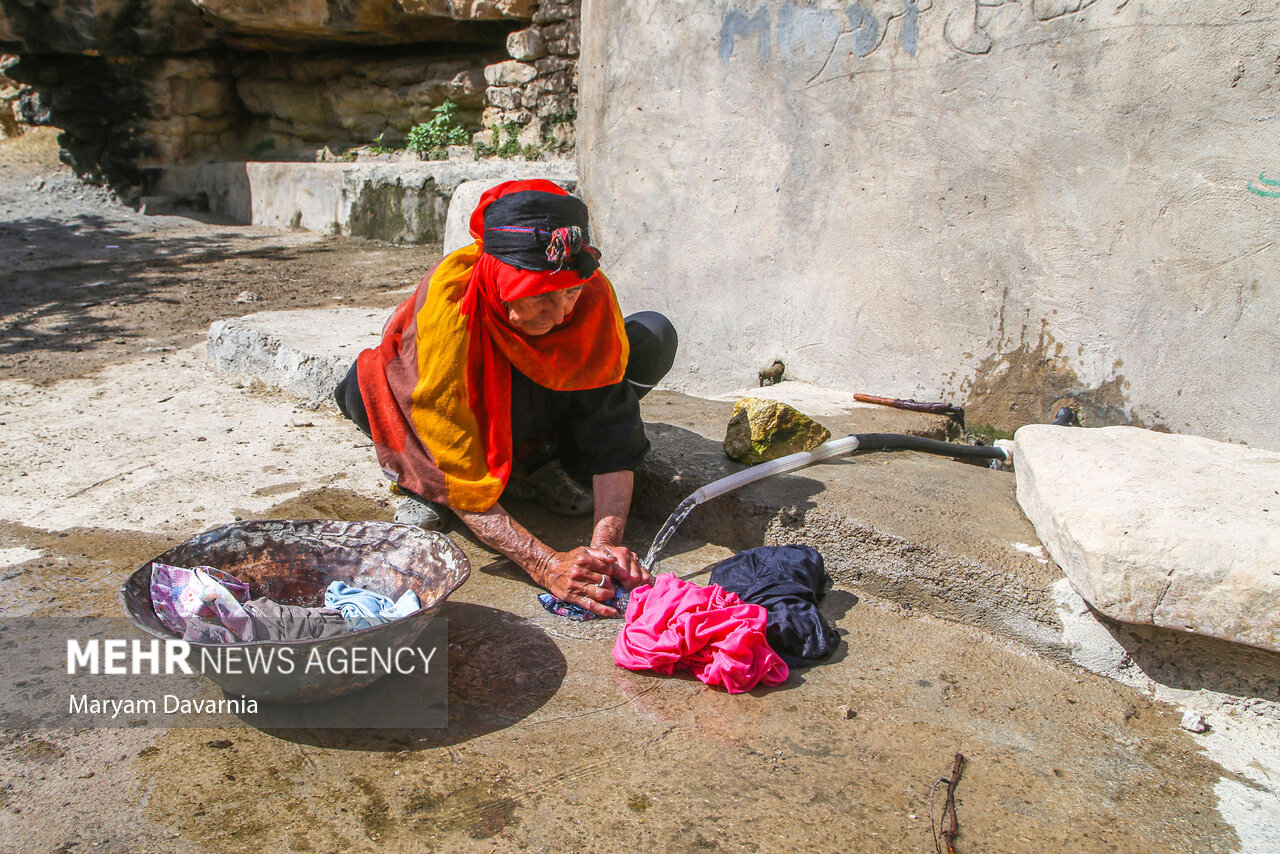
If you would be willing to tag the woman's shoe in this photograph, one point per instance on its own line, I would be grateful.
(427, 515)
(553, 488)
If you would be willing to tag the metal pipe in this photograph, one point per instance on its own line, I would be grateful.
(792, 462)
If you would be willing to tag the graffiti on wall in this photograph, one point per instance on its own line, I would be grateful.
(860, 29)
(801, 27)
(1274, 187)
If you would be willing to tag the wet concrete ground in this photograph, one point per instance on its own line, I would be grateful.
(120, 453)
(551, 747)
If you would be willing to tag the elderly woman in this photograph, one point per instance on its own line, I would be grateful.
(510, 367)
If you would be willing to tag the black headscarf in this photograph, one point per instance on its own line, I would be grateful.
(534, 230)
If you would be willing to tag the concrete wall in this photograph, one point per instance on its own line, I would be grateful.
(1000, 203)
(405, 202)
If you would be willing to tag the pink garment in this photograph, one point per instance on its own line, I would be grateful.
(202, 604)
(712, 632)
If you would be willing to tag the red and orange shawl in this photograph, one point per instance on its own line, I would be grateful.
(437, 389)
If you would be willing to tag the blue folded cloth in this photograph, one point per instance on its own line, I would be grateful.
(363, 608)
(577, 613)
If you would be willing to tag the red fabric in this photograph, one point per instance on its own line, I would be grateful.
(510, 283)
(585, 351)
(379, 400)
(712, 632)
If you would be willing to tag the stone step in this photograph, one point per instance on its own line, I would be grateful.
(1153, 528)
(304, 353)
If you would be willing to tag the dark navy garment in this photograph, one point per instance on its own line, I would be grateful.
(593, 431)
(789, 581)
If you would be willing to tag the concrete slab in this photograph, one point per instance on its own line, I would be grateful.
(922, 534)
(305, 353)
(396, 202)
(457, 225)
(96, 484)
(551, 747)
(1174, 531)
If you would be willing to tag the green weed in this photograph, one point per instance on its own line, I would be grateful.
(430, 138)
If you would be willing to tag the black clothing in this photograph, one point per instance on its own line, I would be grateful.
(519, 226)
(789, 581)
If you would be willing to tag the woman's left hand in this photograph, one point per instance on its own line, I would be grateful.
(627, 571)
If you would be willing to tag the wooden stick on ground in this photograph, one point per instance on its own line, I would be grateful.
(950, 833)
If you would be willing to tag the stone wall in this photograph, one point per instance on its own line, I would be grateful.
(532, 97)
(1005, 204)
(142, 83)
(336, 97)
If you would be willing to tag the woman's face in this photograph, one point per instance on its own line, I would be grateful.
(539, 314)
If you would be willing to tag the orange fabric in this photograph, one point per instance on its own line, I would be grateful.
(460, 404)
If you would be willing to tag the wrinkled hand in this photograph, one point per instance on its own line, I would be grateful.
(584, 577)
(627, 571)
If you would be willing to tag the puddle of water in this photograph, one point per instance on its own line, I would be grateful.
(80, 569)
(331, 503)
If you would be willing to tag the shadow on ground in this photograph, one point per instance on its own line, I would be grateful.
(502, 669)
(62, 271)
(1190, 662)
(86, 291)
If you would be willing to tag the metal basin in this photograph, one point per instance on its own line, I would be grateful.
(293, 562)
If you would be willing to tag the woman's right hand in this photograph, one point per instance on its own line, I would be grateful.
(582, 577)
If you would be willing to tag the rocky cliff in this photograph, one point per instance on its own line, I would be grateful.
(141, 83)
(11, 92)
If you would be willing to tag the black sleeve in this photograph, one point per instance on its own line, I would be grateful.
(607, 428)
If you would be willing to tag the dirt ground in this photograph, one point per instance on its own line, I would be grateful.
(88, 282)
(121, 442)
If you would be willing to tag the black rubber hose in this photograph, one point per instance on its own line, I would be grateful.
(900, 442)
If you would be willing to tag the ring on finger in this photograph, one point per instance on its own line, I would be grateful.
(601, 582)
